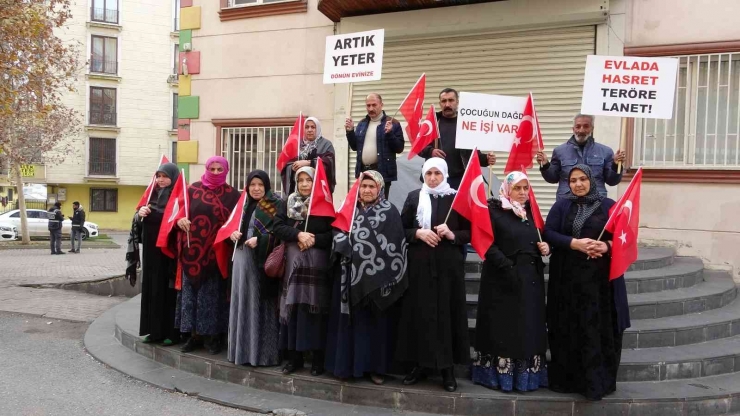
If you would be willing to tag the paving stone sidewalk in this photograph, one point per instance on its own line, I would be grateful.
(37, 266)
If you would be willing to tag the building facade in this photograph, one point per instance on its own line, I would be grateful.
(127, 94)
(260, 63)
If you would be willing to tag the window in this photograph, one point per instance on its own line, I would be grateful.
(705, 128)
(35, 214)
(104, 57)
(249, 148)
(102, 160)
(175, 59)
(244, 2)
(173, 154)
(103, 199)
(103, 106)
(16, 215)
(174, 111)
(104, 11)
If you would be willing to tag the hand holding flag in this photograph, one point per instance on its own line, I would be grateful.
(470, 202)
(232, 224)
(292, 144)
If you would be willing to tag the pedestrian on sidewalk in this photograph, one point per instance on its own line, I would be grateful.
(78, 222)
(55, 228)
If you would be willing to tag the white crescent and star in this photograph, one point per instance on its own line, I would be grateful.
(627, 205)
(534, 129)
(474, 187)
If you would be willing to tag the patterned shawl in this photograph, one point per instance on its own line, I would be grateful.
(297, 203)
(372, 258)
(208, 210)
(587, 204)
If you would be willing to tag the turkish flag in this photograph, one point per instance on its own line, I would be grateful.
(412, 107)
(524, 147)
(346, 214)
(147, 196)
(292, 144)
(177, 207)
(232, 224)
(536, 214)
(470, 202)
(428, 132)
(624, 219)
(322, 203)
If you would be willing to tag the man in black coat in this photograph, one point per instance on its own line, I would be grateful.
(78, 223)
(55, 228)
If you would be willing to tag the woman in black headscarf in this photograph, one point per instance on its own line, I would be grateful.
(158, 294)
(253, 322)
(370, 278)
(586, 312)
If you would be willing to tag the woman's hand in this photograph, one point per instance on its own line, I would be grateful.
(544, 248)
(144, 211)
(428, 236)
(597, 249)
(300, 163)
(306, 239)
(443, 231)
(235, 236)
(251, 243)
(580, 244)
(184, 224)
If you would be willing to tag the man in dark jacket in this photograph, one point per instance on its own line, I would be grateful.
(457, 159)
(377, 139)
(55, 228)
(581, 148)
(78, 223)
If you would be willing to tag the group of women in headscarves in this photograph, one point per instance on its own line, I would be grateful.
(390, 294)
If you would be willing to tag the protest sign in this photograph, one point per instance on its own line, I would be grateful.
(629, 86)
(488, 122)
(354, 57)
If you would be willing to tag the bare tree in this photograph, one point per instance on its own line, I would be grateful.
(36, 69)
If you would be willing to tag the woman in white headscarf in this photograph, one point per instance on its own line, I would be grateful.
(433, 332)
(510, 333)
(312, 147)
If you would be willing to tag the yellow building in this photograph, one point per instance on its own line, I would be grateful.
(128, 98)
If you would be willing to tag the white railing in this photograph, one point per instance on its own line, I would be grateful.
(250, 148)
(705, 128)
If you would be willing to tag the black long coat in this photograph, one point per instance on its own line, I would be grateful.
(511, 301)
(433, 331)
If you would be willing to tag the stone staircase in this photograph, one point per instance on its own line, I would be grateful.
(680, 357)
(685, 319)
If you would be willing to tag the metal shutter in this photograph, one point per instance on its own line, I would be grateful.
(549, 63)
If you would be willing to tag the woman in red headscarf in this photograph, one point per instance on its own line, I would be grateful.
(202, 308)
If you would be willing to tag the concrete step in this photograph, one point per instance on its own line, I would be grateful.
(648, 258)
(683, 272)
(715, 291)
(684, 329)
(708, 395)
(705, 359)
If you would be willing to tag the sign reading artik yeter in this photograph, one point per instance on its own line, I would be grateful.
(354, 57)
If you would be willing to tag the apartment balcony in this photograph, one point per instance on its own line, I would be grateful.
(103, 66)
(337, 9)
(101, 168)
(104, 15)
(102, 118)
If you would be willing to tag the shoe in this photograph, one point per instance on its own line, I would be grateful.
(72, 251)
(168, 342)
(61, 252)
(414, 376)
(294, 363)
(191, 345)
(448, 380)
(147, 340)
(214, 346)
(317, 363)
(378, 379)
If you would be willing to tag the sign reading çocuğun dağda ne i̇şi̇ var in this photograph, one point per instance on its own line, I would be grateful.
(629, 86)
(488, 122)
(354, 57)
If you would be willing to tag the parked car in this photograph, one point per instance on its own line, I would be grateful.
(38, 223)
(8, 232)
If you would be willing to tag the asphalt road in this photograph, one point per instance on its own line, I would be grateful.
(44, 370)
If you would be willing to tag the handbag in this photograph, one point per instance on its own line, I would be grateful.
(275, 262)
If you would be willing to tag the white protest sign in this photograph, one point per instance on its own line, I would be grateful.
(629, 86)
(488, 122)
(354, 57)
